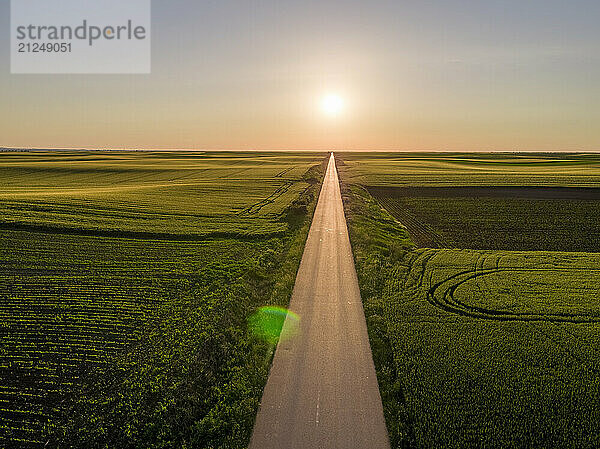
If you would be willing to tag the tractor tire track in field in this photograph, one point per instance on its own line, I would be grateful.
(442, 295)
(256, 207)
(285, 171)
(421, 234)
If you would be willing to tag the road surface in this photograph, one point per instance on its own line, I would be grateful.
(322, 389)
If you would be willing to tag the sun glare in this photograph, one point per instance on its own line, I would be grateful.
(332, 105)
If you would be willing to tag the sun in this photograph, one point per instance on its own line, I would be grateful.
(332, 105)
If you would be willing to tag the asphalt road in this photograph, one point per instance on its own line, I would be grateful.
(322, 390)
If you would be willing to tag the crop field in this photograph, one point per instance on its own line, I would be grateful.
(499, 349)
(509, 218)
(468, 169)
(126, 283)
(481, 348)
(150, 194)
(487, 201)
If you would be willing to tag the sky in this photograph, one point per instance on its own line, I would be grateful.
(412, 75)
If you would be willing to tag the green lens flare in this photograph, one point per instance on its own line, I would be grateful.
(267, 323)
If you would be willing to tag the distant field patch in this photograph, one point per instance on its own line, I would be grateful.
(150, 194)
(552, 193)
(485, 169)
(497, 217)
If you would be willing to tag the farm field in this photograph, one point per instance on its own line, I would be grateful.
(125, 292)
(150, 194)
(487, 348)
(509, 218)
(531, 202)
(472, 169)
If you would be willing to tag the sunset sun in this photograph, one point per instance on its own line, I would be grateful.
(332, 105)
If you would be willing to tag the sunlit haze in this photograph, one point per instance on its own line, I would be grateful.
(327, 74)
(332, 105)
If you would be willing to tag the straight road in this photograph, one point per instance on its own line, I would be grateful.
(322, 389)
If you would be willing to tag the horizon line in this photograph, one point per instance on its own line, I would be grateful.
(288, 150)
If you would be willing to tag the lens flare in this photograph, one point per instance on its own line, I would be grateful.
(267, 323)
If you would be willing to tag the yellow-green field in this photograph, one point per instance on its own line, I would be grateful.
(469, 169)
(168, 193)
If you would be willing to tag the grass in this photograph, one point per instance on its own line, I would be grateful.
(140, 338)
(476, 348)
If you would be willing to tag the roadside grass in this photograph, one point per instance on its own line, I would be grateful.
(139, 342)
(489, 349)
(379, 244)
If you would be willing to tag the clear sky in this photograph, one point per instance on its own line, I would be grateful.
(412, 75)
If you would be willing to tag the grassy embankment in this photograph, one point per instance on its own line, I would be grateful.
(127, 284)
(476, 348)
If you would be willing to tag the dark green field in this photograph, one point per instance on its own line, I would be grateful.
(126, 284)
(500, 218)
(480, 348)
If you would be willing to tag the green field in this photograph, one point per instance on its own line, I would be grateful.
(479, 348)
(150, 194)
(503, 201)
(469, 169)
(503, 218)
(127, 281)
